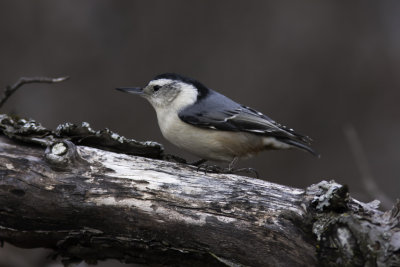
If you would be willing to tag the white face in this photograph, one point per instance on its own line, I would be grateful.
(170, 94)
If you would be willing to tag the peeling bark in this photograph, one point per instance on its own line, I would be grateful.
(68, 191)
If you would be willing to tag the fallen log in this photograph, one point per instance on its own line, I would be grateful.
(94, 195)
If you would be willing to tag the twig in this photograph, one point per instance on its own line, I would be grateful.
(361, 160)
(24, 80)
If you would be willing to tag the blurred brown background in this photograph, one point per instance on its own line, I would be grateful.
(317, 67)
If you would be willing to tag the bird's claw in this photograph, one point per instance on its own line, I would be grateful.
(210, 168)
(217, 169)
(198, 163)
(246, 170)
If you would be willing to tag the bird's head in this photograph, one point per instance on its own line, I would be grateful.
(170, 91)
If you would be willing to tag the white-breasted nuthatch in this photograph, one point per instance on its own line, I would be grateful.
(211, 125)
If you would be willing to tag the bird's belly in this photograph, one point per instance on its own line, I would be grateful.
(210, 144)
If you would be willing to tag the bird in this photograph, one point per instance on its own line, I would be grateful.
(212, 126)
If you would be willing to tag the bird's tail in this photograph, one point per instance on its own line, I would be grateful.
(300, 145)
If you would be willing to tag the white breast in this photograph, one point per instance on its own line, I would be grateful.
(207, 143)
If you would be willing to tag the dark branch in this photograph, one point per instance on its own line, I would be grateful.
(25, 80)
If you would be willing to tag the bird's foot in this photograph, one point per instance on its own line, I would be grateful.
(197, 163)
(218, 169)
(244, 170)
(210, 168)
(173, 158)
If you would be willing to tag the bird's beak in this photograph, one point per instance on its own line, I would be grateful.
(131, 90)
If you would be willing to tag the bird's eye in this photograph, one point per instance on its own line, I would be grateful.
(156, 88)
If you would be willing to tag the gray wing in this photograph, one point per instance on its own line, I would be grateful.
(216, 111)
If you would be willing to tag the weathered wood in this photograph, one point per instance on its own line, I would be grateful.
(91, 204)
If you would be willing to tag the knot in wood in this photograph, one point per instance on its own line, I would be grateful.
(63, 155)
(59, 149)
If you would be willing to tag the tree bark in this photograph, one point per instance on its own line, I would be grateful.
(93, 204)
